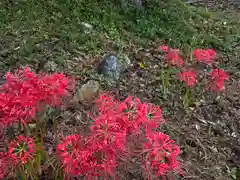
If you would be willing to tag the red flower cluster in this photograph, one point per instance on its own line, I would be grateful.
(172, 56)
(21, 150)
(206, 56)
(80, 156)
(4, 164)
(190, 77)
(164, 48)
(25, 92)
(162, 154)
(218, 76)
(101, 152)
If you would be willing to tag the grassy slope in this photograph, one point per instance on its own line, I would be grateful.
(39, 30)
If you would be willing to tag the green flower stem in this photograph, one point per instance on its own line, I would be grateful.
(40, 131)
(30, 170)
(54, 126)
(165, 75)
(22, 172)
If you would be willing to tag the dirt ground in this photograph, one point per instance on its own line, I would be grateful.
(220, 5)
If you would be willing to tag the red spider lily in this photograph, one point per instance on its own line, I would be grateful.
(206, 56)
(164, 48)
(25, 92)
(21, 150)
(101, 162)
(14, 109)
(173, 57)
(130, 114)
(162, 154)
(108, 133)
(190, 77)
(105, 103)
(68, 145)
(70, 151)
(113, 132)
(218, 76)
(84, 157)
(153, 116)
(4, 165)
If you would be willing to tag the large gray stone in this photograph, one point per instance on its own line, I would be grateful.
(111, 66)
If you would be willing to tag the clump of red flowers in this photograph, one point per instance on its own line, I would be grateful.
(21, 150)
(162, 153)
(172, 56)
(217, 79)
(100, 153)
(190, 77)
(4, 164)
(25, 92)
(86, 157)
(164, 48)
(206, 56)
(70, 152)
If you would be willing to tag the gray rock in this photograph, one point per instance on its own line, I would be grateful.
(112, 66)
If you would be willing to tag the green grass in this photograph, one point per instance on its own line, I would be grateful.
(39, 30)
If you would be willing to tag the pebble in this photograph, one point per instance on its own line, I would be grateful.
(88, 92)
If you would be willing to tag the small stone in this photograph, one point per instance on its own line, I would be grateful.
(155, 66)
(197, 127)
(87, 27)
(88, 92)
(50, 66)
(32, 125)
